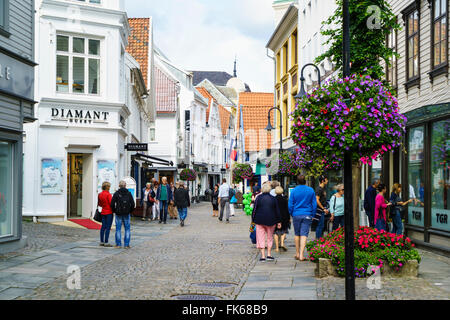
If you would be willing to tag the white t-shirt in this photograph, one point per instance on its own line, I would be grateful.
(224, 191)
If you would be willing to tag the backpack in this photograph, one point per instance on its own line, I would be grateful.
(123, 204)
(231, 193)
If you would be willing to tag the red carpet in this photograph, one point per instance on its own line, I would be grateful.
(87, 223)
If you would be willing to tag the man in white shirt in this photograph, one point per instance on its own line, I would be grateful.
(224, 199)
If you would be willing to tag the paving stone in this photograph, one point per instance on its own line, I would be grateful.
(13, 293)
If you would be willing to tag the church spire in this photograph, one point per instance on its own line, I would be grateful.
(234, 72)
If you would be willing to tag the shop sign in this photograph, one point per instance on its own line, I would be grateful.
(415, 215)
(440, 219)
(16, 77)
(79, 116)
(136, 147)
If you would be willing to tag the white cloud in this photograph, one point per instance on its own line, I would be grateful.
(207, 34)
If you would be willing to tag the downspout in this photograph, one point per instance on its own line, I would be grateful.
(274, 83)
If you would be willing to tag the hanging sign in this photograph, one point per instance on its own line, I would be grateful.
(136, 147)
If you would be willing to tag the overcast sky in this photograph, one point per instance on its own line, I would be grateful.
(207, 34)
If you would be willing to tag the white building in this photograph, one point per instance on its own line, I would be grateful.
(87, 110)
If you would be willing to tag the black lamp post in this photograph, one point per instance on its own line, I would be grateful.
(270, 128)
(348, 184)
(302, 92)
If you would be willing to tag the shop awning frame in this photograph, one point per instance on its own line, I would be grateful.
(152, 160)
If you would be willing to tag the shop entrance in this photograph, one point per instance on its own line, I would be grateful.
(75, 185)
(80, 191)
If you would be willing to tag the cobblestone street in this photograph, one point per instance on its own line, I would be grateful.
(206, 258)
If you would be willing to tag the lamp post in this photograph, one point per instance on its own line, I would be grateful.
(348, 184)
(302, 92)
(269, 127)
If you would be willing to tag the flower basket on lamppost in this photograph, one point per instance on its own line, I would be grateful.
(241, 172)
(188, 175)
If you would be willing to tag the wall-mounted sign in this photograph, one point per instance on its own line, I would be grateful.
(16, 77)
(440, 219)
(51, 176)
(136, 146)
(106, 172)
(80, 116)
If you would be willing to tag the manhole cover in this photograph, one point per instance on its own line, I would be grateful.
(195, 297)
(215, 284)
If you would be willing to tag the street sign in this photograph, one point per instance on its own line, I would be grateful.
(136, 147)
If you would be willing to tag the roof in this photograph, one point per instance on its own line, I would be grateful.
(224, 116)
(256, 106)
(208, 96)
(138, 43)
(165, 92)
(218, 78)
(289, 16)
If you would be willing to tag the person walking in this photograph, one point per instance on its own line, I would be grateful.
(337, 207)
(104, 201)
(280, 233)
(380, 218)
(122, 204)
(182, 202)
(146, 204)
(302, 208)
(215, 201)
(172, 208)
(321, 199)
(233, 199)
(369, 201)
(155, 208)
(266, 215)
(163, 195)
(397, 204)
(224, 200)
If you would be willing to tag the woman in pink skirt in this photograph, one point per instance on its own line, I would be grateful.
(266, 216)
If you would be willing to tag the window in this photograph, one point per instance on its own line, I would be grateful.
(152, 134)
(412, 45)
(6, 188)
(391, 68)
(295, 48)
(416, 188)
(77, 65)
(440, 175)
(285, 50)
(439, 33)
(4, 17)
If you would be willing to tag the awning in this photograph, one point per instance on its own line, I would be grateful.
(260, 169)
(152, 160)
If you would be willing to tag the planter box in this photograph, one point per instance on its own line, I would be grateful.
(324, 268)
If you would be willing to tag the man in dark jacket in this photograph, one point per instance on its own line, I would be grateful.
(182, 202)
(164, 196)
(122, 204)
(369, 201)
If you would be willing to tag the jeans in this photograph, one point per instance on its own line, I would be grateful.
(126, 222)
(370, 216)
(320, 226)
(381, 225)
(182, 212)
(397, 223)
(224, 204)
(147, 209)
(163, 207)
(338, 222)
(107, 221)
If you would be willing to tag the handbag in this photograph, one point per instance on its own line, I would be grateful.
(97, 215)
(233, 200)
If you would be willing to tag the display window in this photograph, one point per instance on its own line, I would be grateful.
(416, 188)
(6, 188)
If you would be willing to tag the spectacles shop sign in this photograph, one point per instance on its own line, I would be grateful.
(79, 116)
(16, 77)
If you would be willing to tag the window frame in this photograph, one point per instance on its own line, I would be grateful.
(407, 12)
(87, 58)
(4, 30)
(394, 67)
(441, 68)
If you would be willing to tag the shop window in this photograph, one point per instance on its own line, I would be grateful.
(440, 172)
(77, 65)
(416, 188)
(6, 188)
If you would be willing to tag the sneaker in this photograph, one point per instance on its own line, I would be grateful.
(262, 260)
(165, 222)
(127, 247)
(117, 247)
(228, 221)
(182, 223)
(101, 244)
(143, 219)
(220, 219)
(269, 258)
(160, 221)
(107, 245)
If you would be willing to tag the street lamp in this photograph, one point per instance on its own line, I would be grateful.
(302, 92)
(269, 127)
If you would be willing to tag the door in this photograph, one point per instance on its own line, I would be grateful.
(75, 185)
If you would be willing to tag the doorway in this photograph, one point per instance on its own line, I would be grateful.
(75, 185)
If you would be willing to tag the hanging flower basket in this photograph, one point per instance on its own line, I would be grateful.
(188, 175)
(289, 164)
(356, 114)
(242, 171)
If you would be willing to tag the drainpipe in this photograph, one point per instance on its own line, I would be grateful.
(274, 83)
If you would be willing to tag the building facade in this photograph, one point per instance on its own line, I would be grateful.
(420, 77)
(85, 107)
(16, 108)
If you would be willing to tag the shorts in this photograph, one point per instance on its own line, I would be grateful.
(302, 225)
